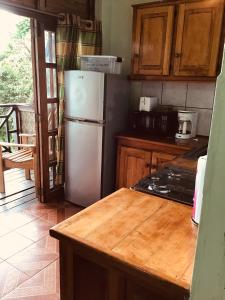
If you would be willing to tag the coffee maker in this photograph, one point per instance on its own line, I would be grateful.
(187, 124)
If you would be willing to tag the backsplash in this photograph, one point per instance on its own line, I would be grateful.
(196, 96)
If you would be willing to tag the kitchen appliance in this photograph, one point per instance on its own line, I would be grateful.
(187, 124)
(96, 109)
(173, 183)
(148, 103)
(159, 123)
(199, 185)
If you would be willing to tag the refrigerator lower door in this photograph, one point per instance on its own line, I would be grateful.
(83, 162)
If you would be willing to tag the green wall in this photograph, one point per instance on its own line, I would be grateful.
(116, 16)
(209, 272)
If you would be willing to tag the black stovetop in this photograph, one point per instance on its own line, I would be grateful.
(173, 183)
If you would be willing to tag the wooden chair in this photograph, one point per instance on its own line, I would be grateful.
(23, 158)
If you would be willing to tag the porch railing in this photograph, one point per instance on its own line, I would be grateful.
(11, 121)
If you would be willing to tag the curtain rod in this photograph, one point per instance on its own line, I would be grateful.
(7, 6)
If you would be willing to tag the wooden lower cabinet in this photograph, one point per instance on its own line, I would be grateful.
(158, 159)
(89, 279)
(133, 165)
(137, 292)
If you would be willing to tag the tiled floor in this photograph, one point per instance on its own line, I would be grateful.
(29, 257)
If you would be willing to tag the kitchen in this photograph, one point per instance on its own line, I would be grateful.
(138, 245)
(182, 94)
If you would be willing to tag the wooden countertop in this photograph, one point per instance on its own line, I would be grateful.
(154, 236)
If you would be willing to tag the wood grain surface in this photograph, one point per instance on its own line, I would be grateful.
(154, 236)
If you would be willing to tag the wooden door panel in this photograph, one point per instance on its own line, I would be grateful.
(92, 274)
(134, 164)
(152, 40)
(198, 38)
(196, 23)
(79, 7)
(47, 109)
(136, 169)
(159, 158)
(136, 292)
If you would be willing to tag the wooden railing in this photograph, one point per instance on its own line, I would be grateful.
(10, 122)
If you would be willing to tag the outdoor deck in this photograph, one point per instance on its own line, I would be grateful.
(18, 190)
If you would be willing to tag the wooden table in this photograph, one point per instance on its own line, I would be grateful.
(129, 246)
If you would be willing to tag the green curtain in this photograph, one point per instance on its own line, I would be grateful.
(74, 37)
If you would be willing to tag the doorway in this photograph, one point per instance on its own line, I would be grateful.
(30, 105)
(17, 117)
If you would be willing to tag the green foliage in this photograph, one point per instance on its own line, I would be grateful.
(16, 82)
(23, 28)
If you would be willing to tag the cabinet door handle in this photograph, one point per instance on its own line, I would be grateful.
(147, 165)
(177, 55)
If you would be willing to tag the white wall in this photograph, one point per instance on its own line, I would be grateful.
(209, 271)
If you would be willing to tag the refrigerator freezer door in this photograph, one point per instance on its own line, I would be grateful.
(83, 162)
(84, 93)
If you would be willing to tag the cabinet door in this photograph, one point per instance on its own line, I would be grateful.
(198, 38)
(133, 165)
(135, 292)
(158, 158)
(152, 40)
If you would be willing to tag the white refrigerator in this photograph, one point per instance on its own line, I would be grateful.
(96, 109)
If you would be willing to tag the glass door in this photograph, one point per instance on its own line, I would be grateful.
(47, 108)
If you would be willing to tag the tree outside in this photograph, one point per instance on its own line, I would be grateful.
(16, 84)
(16, 78)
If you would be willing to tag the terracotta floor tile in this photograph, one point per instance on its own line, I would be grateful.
(36, 209)
(35, 230)
(12, 243)
(36, 257)
(53, 212)
(43, 286)
(57, 215)
(49, 243)
(10, 278)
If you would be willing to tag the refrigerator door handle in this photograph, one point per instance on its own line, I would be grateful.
(85, 121)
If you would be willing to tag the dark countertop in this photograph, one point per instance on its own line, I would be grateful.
(198, 142)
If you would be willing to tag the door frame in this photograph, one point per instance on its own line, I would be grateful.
(39, 23)
(46, 193)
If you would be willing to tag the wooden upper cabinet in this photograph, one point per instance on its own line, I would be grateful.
(152, 40)
(198, 38)
(178, 39)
